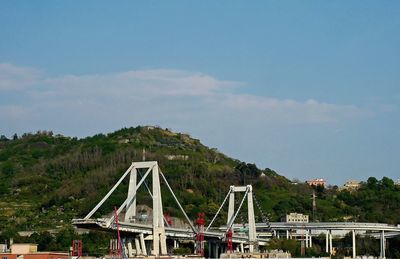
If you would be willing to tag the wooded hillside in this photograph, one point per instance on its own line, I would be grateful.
(46, 180)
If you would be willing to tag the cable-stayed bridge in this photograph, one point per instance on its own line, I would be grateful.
(151, 239)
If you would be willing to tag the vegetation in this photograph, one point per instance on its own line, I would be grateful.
(46, 180)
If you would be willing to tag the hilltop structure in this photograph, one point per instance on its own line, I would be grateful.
(351, 185)
(317, 182)
(295, 217)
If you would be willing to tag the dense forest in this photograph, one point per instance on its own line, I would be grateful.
(46, 180)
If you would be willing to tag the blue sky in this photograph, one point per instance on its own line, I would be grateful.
(308, 88)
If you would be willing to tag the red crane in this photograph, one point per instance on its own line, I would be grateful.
(229, 245)
(200, 222)
(76, 247)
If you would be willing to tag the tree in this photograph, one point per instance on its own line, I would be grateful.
(372, 182)
(288, 245)
(247, 172)
(387, 183)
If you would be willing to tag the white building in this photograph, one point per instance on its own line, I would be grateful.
(351, 185)
(296, 218)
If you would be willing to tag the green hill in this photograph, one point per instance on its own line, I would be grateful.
(46, 180)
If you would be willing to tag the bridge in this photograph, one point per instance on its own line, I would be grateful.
(152, 239)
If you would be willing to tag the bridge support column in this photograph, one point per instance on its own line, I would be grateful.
(383, 244)
(330, 242)
(306, 238)
(159, 239)
(216, 250)
(130, 214)
(287, 234)
(143, 244)
(130, 249)
(231, 206)
(137, 246)
(252, 221)
(310, 238)
(125, 249)
(353, 232)
(327, 241)
(176, 243)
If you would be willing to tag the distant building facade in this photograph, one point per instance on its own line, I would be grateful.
(23, 248)
(38, 255)
(295, 218)
(351, 185)
(317, 182)
(29, 251)
(177, 157)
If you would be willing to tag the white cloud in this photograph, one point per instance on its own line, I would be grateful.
(17, 78)
(161, 82)
(291, 111)
(95, 103)
(14, 112)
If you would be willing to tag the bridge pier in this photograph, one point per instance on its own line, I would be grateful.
(216, 250)
(328, 247)
(125, 248)
(354, 242)
(310, 238)
(252, 221)
(383, 245)
(130, 214)
(248, 189)
(306, 238)
(143, 244)
(137, 246)
(159, 239)
(327, 241)
(176, 243)
(130, 249)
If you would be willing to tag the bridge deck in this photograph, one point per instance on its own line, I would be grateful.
(331, 226)
(135, 228)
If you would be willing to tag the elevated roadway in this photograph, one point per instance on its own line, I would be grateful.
(330, 226)
(136, 228)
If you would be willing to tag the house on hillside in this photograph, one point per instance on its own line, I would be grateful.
(29, 251)
(317, 182)
(351, 185)
(295, 218)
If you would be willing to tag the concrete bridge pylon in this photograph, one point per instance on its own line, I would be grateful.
(232, 214)
(158, 236)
